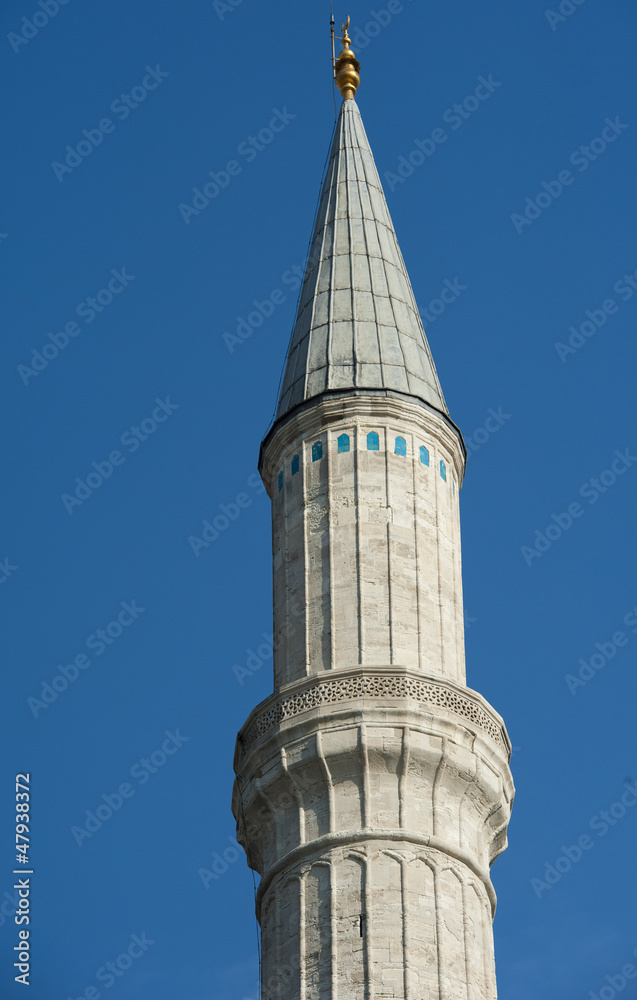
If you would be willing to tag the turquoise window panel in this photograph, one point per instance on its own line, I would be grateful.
(317, 451)
(343, 442)
(401, 446)
(372, 441)
(280, 481)
(424, 455)
(443, 470)
(295, 465)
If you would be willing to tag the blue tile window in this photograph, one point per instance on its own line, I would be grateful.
(401, 446)
(280, 481)
(295, 465)
(317, 451)
(443, 470)
(424, 455)
(372, 441)
(343, 442)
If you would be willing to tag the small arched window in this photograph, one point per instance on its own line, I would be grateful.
(295, 465)
(372, 441)
(343, 442)
(443, 470)
(317, 451)
(424, 455)
(401, 446)
(280, 481)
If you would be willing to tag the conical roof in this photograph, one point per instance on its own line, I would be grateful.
(357, 325)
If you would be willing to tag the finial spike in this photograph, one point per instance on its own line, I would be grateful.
(347, 68)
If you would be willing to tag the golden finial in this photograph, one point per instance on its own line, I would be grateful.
(347, 67)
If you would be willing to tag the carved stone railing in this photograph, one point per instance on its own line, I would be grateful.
(319, 692)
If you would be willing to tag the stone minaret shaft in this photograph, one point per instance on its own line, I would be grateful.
(373, 789)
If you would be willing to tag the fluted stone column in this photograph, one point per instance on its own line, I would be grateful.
(366, 543)
(372, 809)
(373, 789)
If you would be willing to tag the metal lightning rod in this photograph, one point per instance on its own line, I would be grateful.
(332, 34)
(333, 56)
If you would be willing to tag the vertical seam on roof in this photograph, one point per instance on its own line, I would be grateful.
(331, 263)
(349, 162)
(279, 409)
(365, 223)
(351, 155)
(436, 386)
(319, 237)
(399, 338)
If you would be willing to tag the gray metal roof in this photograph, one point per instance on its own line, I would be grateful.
(357, 325)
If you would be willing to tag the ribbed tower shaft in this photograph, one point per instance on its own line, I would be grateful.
(373, 789)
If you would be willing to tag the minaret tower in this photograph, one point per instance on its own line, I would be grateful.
(373, 787)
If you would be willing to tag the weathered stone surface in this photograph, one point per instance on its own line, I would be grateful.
(366, 544)
(373, 830)
(373, 788)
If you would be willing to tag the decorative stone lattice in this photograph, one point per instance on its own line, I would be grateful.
(372, 686)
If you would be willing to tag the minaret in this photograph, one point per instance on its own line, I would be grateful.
(373, 788)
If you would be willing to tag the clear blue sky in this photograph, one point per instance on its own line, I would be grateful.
(105, 224)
